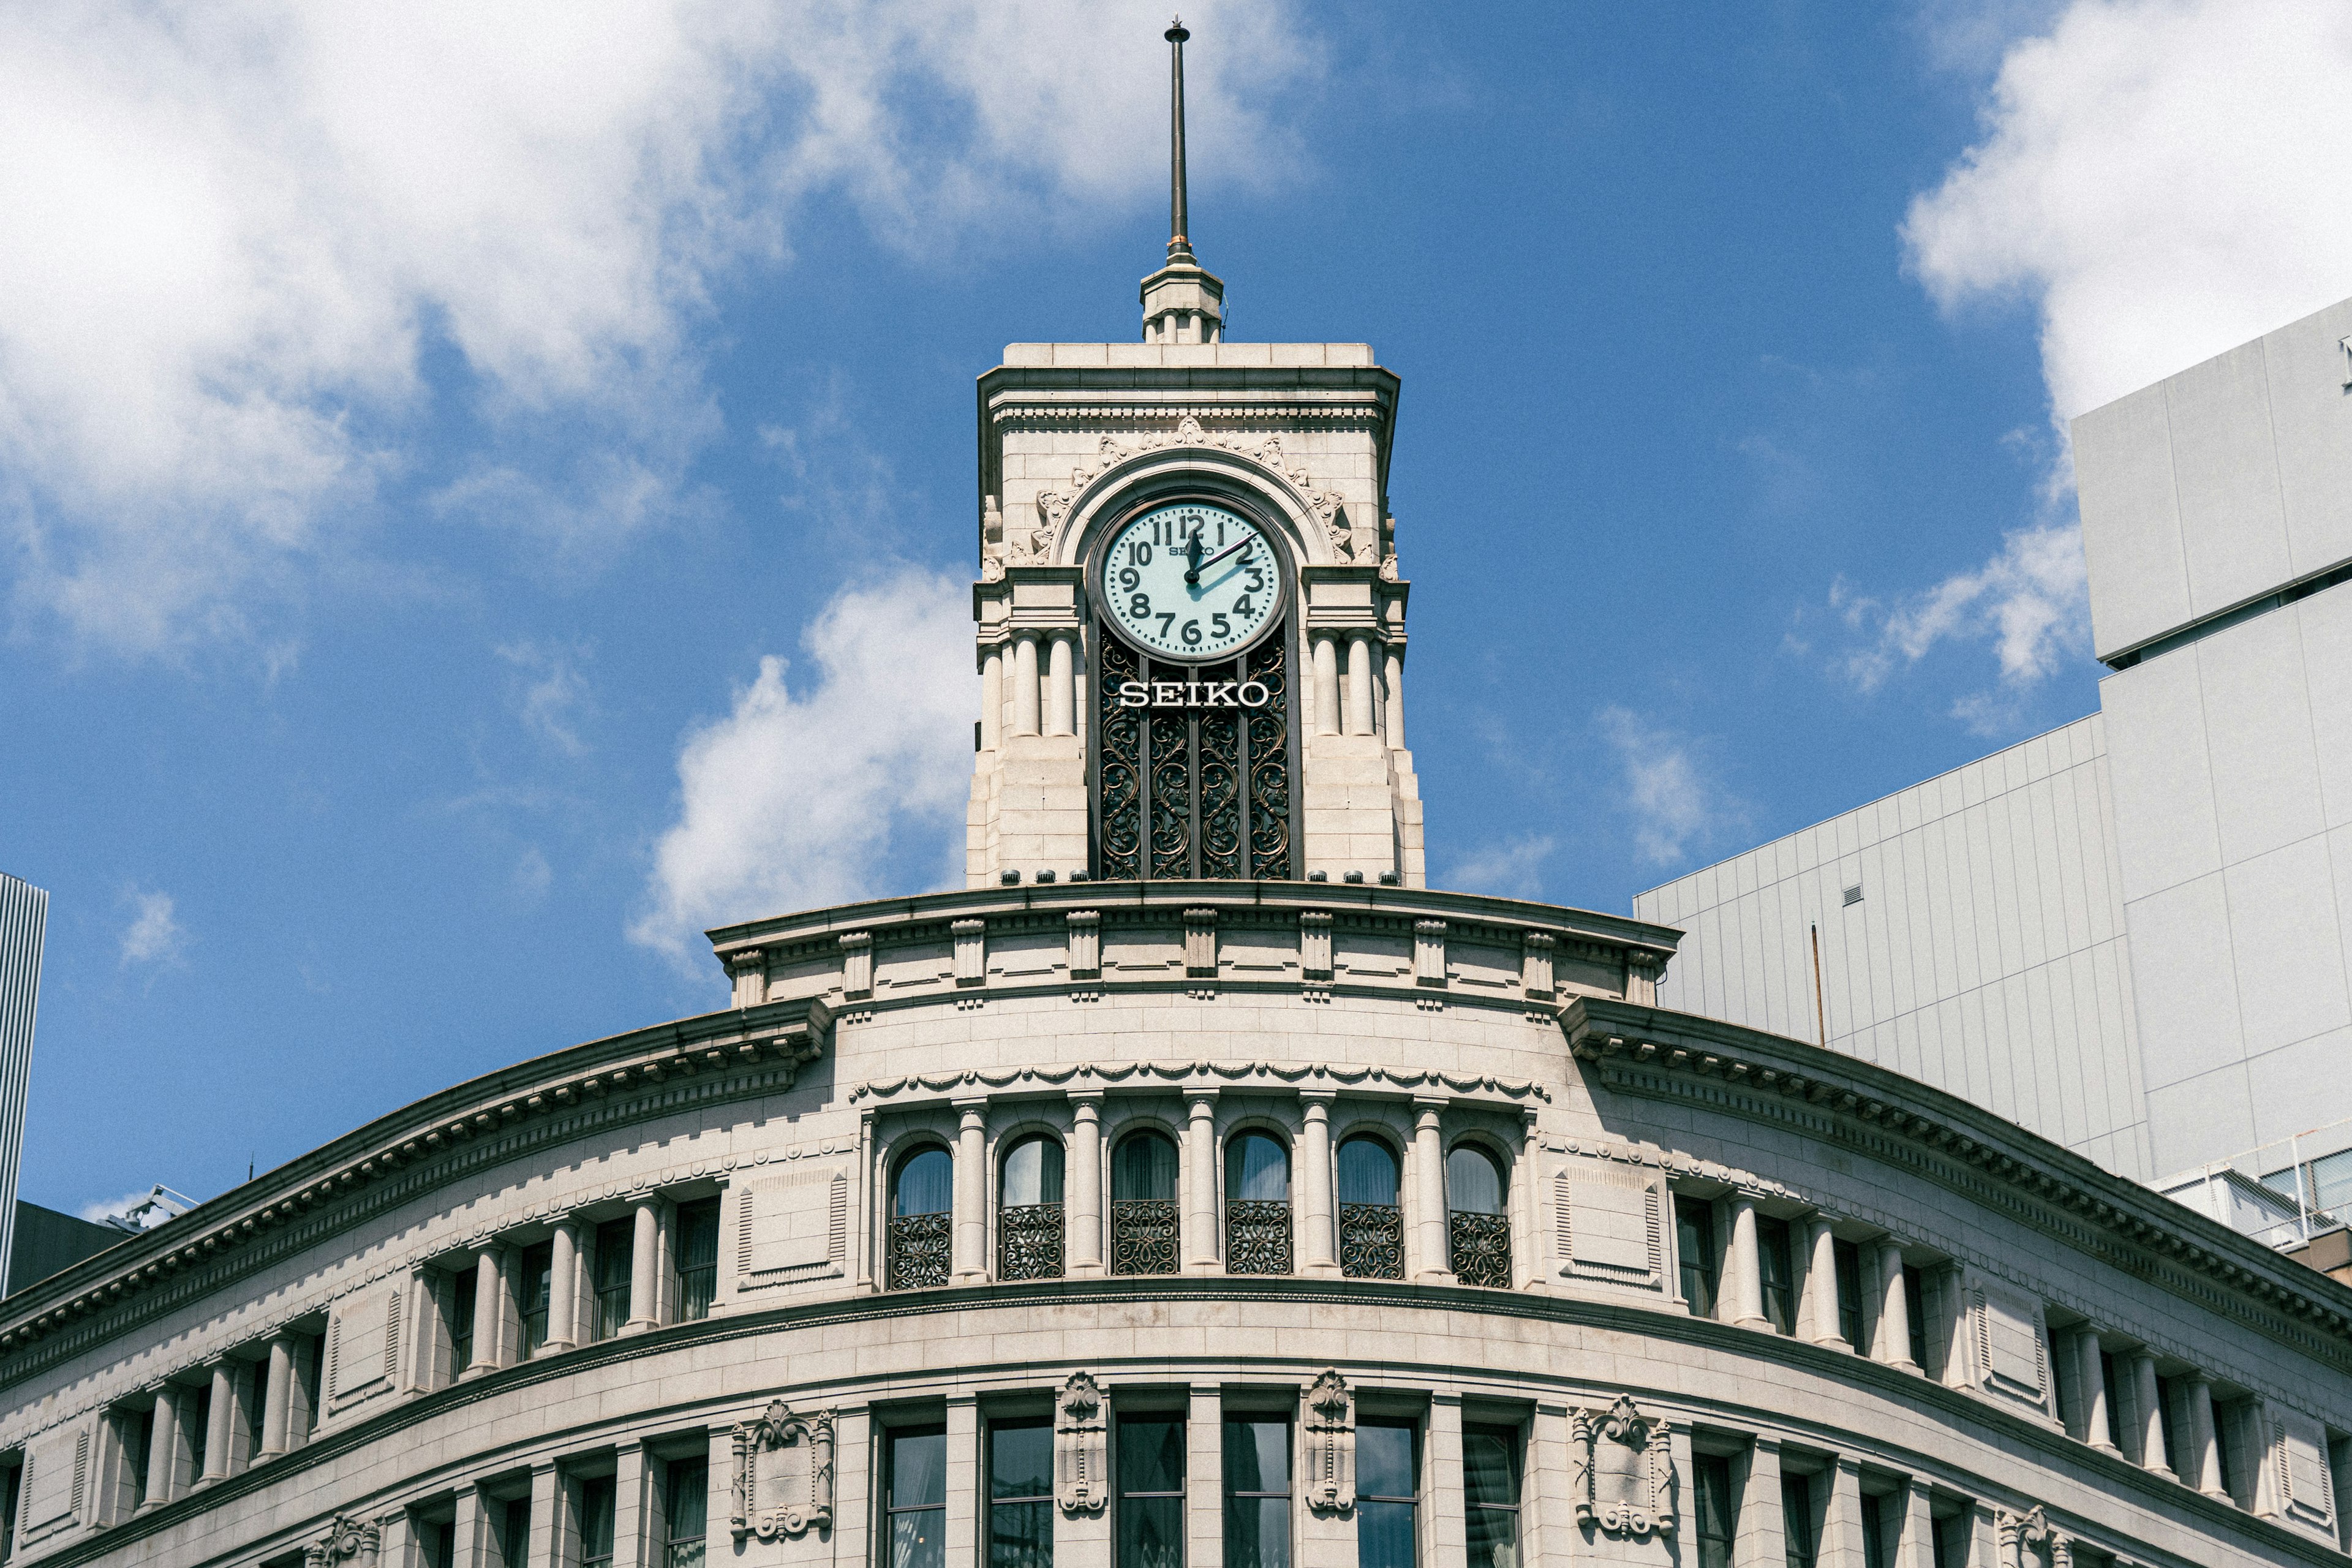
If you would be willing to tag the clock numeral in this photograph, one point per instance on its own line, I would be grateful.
(1139, 606)
(1192, 634)
(1139, 552)
(1220, 627)
(1166, 620)
(1242, 606)
(1257, 580)
(1129, 578)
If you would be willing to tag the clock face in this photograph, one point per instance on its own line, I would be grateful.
(1192, 581)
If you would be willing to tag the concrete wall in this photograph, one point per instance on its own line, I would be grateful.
(1986, 956)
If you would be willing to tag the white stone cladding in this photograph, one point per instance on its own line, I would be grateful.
(1434, 1022)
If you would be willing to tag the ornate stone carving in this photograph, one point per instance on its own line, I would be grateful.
(1329, 1423)
(1081, 1462)
(783, 1473)
(348, 1540)
(2023, 1539)
(1625, 1477)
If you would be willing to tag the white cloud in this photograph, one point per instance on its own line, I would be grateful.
(798, 801)
(1511, 868)
(232, 229)
(2027, 602)
(1676, 807)
(553, 692)
(155, 935)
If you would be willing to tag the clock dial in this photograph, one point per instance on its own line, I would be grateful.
(1192, 581)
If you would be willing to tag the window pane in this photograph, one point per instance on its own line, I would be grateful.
(1915, 1303)
(1152, 1455)
(1257, 1456)
(1772, 1264)
(1694, 1245)
(1032, 1174)
(1712, 1473)
(1151, 1532)
(926, 1184)
(1797, 1520)
(1474, 1182)
(1849, 1289)
(918, 1475)
(1257, 1170)
(514, 1541)
(1257, 1533)
(1367, 1173)
(596, 1522)
(689, 1500)
(2331, 1181)
(1021, 1535)
(1383, 1535)
(1493, 1537)
(919, 1540)
(1144, 1168)
(1490, 1466)
(1874, 1533)
(698, 1259)
(1384, 1462)
(1020, 1461)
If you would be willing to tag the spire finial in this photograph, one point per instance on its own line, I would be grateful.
(1180, 247)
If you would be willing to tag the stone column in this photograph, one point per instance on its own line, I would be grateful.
(1547, 1511)
(1396, 698)
(564, 1287)
(2204, 1444)
(1326, 684)
(1317, 1239)
(992, 699)
(490, 1313)
(1085, 1218)
(220, 1420)
(1200, 1173)
(1024, 684)
(1822, 1286)
(970, 1245)
(1745, 1281)
(645, 1255)
(1917, 1548)
(1431, 1262)
(1448, 1511)
(2147, 1409)
(1061, 687)
(1359, 684)
(630, 1514)
(276, 1395)
(549, 1524)
(163, 1448)
(2098, 1429)
(1893, 1344)
(1759, 1539)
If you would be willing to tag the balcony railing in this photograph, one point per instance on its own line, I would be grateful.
(919, 1250)
(1143, 1233)
(1371, 1241)
(1480, 1245)
(1257, 1237)
(1029, 1242)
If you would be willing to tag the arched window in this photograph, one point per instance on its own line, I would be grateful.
(1372, 1224)
(922, 1190)
(1478, 1233)
(1029, 1211)
(1143, 1214)
(1257, 1205)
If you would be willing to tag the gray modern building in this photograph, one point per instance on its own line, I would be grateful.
(24, 919)
(2130, 933)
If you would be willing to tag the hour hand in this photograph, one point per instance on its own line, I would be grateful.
(1192, 560)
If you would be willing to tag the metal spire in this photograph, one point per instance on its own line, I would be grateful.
(1179, 248)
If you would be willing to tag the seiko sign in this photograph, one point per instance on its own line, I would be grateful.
(1194, 694)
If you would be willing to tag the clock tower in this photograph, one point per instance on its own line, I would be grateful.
(1190, 623)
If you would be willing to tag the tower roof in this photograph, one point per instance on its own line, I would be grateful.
(1183, 302)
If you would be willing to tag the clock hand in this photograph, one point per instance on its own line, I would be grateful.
(1231, 549)
(1193, 559)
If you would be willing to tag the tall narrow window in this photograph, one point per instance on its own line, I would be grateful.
(1950, 1539)
(514, 1534)
(2164, 1418)
(1779, 1281)
(196, 1422)
(1873, 1531)
(1797, 1520)
(535, 1283)
(253, 1377)
(1258, 1205)
(1029, 1211)
(1372, 1224)
(596, 1522)
(1257, 1492)
(439, 1540)
(1143, 1218)
(1847, 1257)
(1717, 1507)
(1695, 1247)
(697, 1259)
(917, 1499)
(923, 1192)
(1387, 1473)
(616, 1247)
(688, 1494)
(1478, 1234)
(461, 1327)
(1151, 1492)
(139, 1435)
(12, 1487)
(1915, 1303)
(1490, 1492)
(1021, 1494)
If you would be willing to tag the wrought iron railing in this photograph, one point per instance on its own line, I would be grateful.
(919, 1249)
(1257, 1237)
(1143, 1234)
(1480, 1245)
(1029, 1242)
(1371, 1241)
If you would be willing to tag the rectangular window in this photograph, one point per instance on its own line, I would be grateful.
(1257, 1492)
(1846, 1258)
(2237, 1468)
(196, 1421)
(1490, 1492)
(514, 1534)
(1717, 1510)
(461, 1322)
(917, 1496)
(1695, 1246)
(437, 1543)
(617, 1243)
(2065, 1384)
(1021, 1494)
(1797, 1520)
(140, 1432)
(12, 1487)
(2114, 1407)
(1150, 1465)
(1915, 1300)
(1950, 1539)
(256, 1404)
(2331, 1185)
(1874, 1532)
(689, 1494)
(534, 1285)
(2172, 1455)
(1387, 1473)
(697, 1259)
(596, 1522)
(1778, 1279)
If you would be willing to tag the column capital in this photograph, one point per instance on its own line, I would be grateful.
(1086, 1103)
(1428, 1105)
(968, 1107)
(1317, 1101)
(1200, 1101)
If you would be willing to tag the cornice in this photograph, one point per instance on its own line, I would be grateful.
(1179, 1074)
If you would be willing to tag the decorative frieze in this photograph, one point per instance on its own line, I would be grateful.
(355, 1541)
(1327, 1453)
(1348, 1076)
(783, 1474)
(857, 965)
(1625, 1477)
(1081, 1456)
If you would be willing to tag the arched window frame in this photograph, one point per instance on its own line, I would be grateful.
(1480, 1248)
(1370, 1243)
(1032, 1247)
(1142, 1240)
(1258, 1236)
(918, 1250)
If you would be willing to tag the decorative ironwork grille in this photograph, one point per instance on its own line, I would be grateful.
(1198, 792)
(1143, 1233)
(1481, 1249)
(918, 1251)
(1257, 1237)
(1371, 1241)
(1029, 1242)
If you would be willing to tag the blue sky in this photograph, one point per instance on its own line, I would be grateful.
(483, 496)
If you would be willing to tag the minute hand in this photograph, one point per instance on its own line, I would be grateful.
(1194, 574)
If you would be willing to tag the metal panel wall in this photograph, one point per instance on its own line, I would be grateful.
(24, 917)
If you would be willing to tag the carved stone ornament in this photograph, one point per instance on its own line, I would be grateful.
(1624, 1470)
(783, 1473)
(1328, 1423)
(2021, 1539)
(347, 1541)
(1081, 1461)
